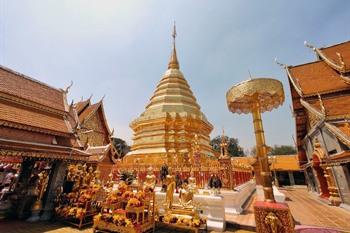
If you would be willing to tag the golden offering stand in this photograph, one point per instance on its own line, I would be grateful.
(184, 215)
(257, 96)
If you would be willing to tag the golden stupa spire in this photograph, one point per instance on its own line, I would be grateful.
(173, 62)
(223, 145)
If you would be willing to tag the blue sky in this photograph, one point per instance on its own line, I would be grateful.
(121, 48)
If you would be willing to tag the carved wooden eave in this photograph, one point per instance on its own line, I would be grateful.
(345, 78)
(313, 110)
(32, 129)
(40, 150)
(341, 67)
(99, 153)
(338, 133)
(31, 104)
(338, 66)
(294, 81)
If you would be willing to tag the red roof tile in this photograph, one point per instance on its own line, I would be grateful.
(317, 77)
(343, 49)
(24, 87)
(31, 117)
(334, 106)
(345, 128)
(81, 105)
(86, 113)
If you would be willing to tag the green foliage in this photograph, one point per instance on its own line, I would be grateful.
(233, 148)
(127, 177)
(121, 146)
(283, 150)
(278, 150)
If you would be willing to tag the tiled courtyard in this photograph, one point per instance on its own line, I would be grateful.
(306, 209)
(55, 227)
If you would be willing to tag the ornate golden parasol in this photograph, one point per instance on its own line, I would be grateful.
(256, 96)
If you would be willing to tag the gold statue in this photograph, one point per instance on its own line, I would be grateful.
(87, 179)
(43, 181)
(110, 183)
(192, 185)
(96, 179)
(171, 185)
(150, 181)
(186, 196)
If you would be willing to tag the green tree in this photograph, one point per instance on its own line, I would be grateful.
(283, 150)
(233, 148)
(121, 146)
(277, 150)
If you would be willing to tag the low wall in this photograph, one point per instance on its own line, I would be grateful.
(279, 197)
(234, 200)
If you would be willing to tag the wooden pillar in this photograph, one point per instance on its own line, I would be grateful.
(56, 181)
(291, 178)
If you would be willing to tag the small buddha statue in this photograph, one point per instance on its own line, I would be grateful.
(96, 179)
(150, 181)
(87, 179)
(192, 183)
(110, 183)
(186, 195)
(171, 185)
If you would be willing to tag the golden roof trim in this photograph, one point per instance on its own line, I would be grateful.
(338, 133)
(339, 67)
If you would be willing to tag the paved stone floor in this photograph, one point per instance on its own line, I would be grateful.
(55, 227)
(307, 209)
(245, 219)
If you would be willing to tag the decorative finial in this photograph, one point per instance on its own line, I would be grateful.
(284, 66)
(103, 97)
(90, 97)
(67, 88)
(323, 109)
(341, 60)
(173, 62)
(174, 32)
(309, 46)
(112, 132)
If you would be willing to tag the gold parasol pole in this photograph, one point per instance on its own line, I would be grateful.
(261, 153)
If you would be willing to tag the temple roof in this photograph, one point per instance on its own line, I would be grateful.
(31, 105)
(322, 87)
(334, 107)
(85, 110)
(88, 111)
(24, 116)
(22, 86)
(80, 106)
(305, 76)
(337, 54)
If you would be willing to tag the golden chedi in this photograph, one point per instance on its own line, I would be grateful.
(167, 128)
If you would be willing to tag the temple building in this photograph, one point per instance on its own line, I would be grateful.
(37, 135)
(94, 132)
(320, 92)
(40, 135)
(172, 128)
